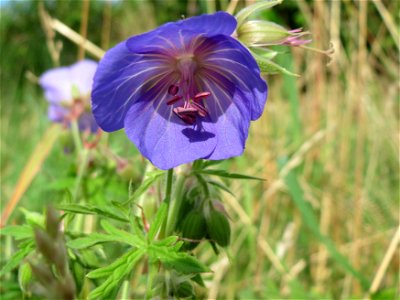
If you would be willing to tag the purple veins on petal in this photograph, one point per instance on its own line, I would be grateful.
(184, 91)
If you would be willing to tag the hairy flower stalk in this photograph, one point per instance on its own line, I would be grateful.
(184, 91)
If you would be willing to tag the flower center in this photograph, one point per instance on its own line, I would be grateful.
(193, 105)
(192, 108)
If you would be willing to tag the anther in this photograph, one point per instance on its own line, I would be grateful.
(187, 115)
(201, 95)
(173, 100)
(173, 89)
(185, 111)
(201, 110)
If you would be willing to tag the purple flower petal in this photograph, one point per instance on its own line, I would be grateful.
(121, 79)
(58, 83)
(218, 23)
(231, 60)
(57, 113)
(54, 91)
(166, 141)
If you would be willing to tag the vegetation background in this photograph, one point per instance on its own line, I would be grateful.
(327, 145)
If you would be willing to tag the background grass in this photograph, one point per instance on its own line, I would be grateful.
(327, 144)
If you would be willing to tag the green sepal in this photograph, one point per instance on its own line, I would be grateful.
(268, 66)
(242, 15)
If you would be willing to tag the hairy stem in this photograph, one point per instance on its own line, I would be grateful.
(175, 205)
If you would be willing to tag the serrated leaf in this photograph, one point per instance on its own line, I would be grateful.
(167, 241)
(17, 258)
(91, 210)
(91, 240)
(158, 221)
(220, 186)
(179, 261)
(268, 66)
(115, 272)
(197, 278)
(210, 163)
(121, 235)
(256, 7)
(107, 270)
(145, 185)
(264, 52)
(225, 174)
(18, 232)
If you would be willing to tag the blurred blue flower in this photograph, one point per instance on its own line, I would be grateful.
(184, 91)
(67, 89)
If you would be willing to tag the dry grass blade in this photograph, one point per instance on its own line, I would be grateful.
(31, 168)
(388, 20)
(75, 37)
(385, 263)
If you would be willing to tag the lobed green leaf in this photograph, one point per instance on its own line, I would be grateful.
(134, 240)
(18, 232)
(145, 185)
(17, 258)
(91, 210)
(179, 261)
(115, 272)
(225, 174)
(268, 66)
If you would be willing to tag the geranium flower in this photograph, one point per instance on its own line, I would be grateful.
(67, 89)
(184, 91)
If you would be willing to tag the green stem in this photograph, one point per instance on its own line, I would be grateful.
(76, 136)
(168, 190)
(167, 200)
(81, 173)
(151, 273)
(175, 205)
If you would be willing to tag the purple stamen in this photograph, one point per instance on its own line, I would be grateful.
(201, 110)
(185, 111)
(173, 100)
(201, 95)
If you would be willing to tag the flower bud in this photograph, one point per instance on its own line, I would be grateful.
(259, 33)
(218, 228)
(43, 274)
(184, 290)
(194, 228)
(52, 222)
(45, 244)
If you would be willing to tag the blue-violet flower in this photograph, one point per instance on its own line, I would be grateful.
(184, 91)
(67, 89)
